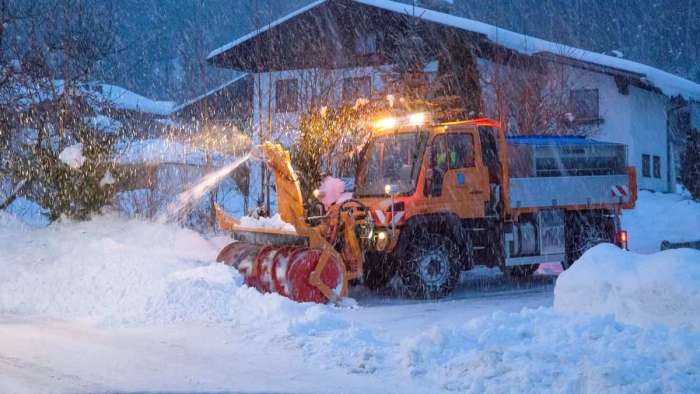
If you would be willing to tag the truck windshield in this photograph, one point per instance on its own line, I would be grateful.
(391, 160)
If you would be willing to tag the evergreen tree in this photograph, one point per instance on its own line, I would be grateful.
(690, 167)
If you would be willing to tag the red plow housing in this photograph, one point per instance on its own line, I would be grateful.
(298, 272)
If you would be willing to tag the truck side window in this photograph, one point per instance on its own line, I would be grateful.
(439, 157)
(449, 152)
(460, 150)
(489, 153)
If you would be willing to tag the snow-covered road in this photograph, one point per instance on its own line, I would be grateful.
(480, 294)
(40, 355)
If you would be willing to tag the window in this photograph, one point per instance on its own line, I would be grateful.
(366, 43)
(458, 152)
(657, 167)
(355, 88)
(584, 104)
(287, 95)
(646, 166)
(449, 152)
(461, 150)
(391, 160)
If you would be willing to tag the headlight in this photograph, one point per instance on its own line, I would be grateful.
(382, 241)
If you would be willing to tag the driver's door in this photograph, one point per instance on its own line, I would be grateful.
(456, 179)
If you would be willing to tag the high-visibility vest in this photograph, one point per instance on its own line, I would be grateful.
(441, 158)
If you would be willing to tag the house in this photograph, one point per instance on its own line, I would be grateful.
(230, 104)
(332, 52)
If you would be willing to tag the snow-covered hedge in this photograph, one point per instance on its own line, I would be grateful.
(639, 289)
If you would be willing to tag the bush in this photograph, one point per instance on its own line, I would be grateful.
(64, 191)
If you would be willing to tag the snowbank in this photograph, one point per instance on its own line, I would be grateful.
(537, 351)
(658, 217)
(117, 271)
(275, 222)
(637, 289)
(10, 223)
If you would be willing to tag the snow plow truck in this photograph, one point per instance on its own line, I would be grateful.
(432, 200)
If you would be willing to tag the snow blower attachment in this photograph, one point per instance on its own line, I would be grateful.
(302, 264)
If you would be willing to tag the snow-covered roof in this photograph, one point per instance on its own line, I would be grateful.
(114, 96)
(669, 84)
(121, 98)
(209, 93)
(265, 28)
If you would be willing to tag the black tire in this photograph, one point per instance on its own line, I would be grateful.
(586, 231)
(519, 272)
(378, 270)
(430, 267)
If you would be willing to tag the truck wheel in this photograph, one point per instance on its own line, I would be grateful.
(586, 232)
(378, 270)
(430, 268)
(519, 271)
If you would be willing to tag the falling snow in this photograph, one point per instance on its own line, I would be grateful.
(125, 123)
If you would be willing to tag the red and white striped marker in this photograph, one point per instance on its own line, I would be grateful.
(619, 191)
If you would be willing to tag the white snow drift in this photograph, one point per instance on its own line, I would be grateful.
(117, 271)
(637, 289)
(539, 351)
(658, 217)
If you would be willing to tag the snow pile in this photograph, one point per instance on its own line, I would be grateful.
(105, 123)
(72, 156)
(215, 293)
(117, 271)
(121, 98)
(275, 222)
(10, 223)
(658, 217)
(539, 350)
(637, 289)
